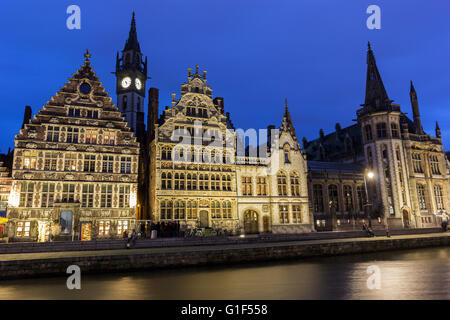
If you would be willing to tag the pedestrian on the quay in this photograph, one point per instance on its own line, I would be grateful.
(444, 225)
(387, 231)
(133, 238)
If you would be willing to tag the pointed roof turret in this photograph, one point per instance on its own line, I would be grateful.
(415, 109)
(286, 124)
(438, 130)
(376, 95)
(132, 42)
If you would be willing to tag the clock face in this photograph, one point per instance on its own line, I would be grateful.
(126, 82)
(138, 84)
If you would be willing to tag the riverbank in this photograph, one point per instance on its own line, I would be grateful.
(35, 264)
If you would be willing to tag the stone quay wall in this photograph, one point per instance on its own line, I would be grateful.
(157, 258)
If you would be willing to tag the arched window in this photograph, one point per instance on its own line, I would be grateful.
(282, 184)
(226, 209)
(286, 150)
(438, 196)
(295, 184)
(163, 181)
(348, 198)
(421, 196)
(333, 197)
(166, 153)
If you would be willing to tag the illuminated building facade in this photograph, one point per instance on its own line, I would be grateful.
(75, 167)
(411, 181)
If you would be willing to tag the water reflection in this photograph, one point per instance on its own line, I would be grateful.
(416, 274)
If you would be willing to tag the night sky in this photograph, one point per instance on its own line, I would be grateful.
(256, 53)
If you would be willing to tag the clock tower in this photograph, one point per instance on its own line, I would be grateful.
(131, 75)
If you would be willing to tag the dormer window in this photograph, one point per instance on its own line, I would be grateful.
(286, 154)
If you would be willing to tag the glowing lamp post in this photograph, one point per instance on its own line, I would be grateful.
(367, 175)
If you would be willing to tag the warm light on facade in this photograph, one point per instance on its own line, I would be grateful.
(14, 198)
(370, 175)
(133, 199)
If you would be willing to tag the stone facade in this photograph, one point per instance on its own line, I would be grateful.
(213, 184)
(410, 188)
(75, 167)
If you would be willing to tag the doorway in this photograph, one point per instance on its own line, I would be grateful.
(266, 224)
(251, 221)
(204, 219)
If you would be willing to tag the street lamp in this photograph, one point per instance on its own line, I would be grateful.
(368, 174)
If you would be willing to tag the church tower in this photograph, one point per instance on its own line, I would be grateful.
(383, 148)
(131, 75)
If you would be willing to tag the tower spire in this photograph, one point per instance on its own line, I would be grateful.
(438, 130)
(132, 42)
(376, 95)
(415, 109)
(287, 124)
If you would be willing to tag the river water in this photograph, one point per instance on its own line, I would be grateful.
(412, 274)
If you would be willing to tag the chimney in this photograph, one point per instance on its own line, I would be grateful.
(26, 116)
(218, 102)
(152, 117)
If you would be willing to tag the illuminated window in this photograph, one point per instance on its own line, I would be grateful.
(226, 209)
(29, 159)
(203, 182)
(215, 182)
(23, 229)
(284, 214)
(70, 162)
(109, 137)
(91, 136)
(191, 181)
(122, 226)
(104, 227)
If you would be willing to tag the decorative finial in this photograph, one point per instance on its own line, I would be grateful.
(87, 55)
(196, 69)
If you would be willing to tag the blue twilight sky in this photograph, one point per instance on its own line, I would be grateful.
(256, 52)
